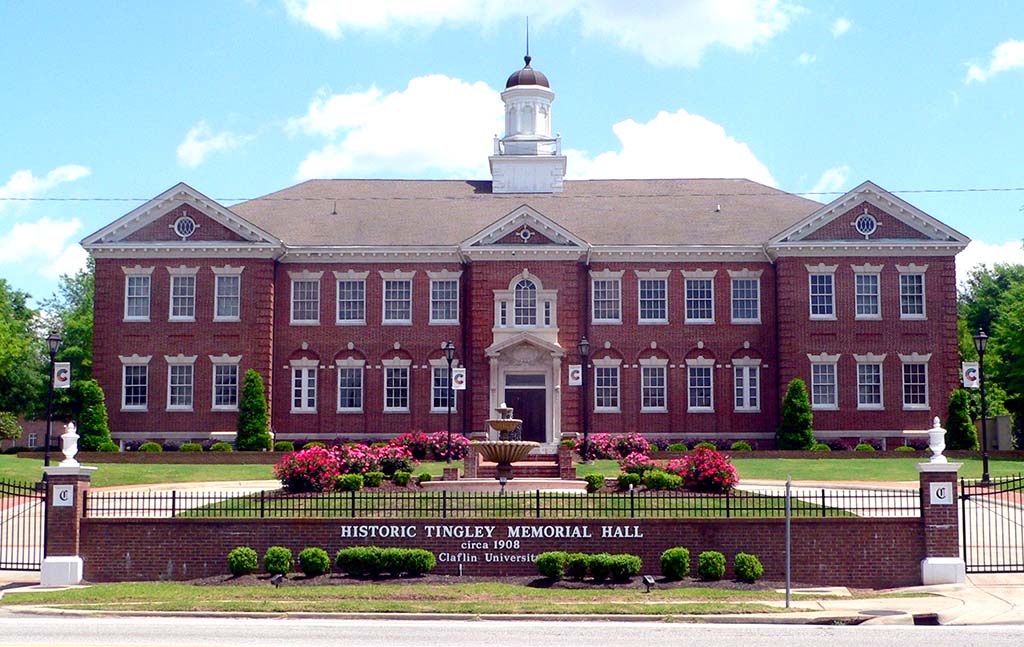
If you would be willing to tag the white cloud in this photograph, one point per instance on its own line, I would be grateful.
(437, 125)
(672, 145)
(1005, 56)
(831, 181)
(23, 184)
(806, 58)
(201, 141)
(46, 244)
(980, 253)
(665, 32)
(840, 26)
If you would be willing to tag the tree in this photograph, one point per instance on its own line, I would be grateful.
(93, 429)
(960, 431)
(23, 373)
(253, 424)
(9, 427)
(70, 311)
(796, 428)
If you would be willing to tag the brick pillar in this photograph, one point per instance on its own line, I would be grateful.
(472, 461)
(940, 523)
(565, 469)
(65, 501)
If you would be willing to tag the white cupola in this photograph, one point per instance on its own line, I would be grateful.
(527, 159)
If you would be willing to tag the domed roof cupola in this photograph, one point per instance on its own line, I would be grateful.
(527, 76)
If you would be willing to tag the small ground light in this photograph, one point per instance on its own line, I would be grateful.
(648, 582)
(277, 579)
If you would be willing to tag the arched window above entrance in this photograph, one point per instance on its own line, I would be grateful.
(525, 310)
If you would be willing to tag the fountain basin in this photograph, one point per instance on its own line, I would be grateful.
(505, 451)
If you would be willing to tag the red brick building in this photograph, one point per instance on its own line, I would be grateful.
(701, 300)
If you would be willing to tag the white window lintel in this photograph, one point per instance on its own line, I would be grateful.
(134, 359)
(869, 358)
(350, 275)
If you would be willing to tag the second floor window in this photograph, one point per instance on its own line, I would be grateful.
(912, 296)
(398, 301)
(183, 297)
(525, 303)
(653, 300)
(606, 299)
(867, 296)
(746, 300)
(352, 302)
(822, 296)
(305, 301)
(227, 300)
(136, 297)
(444, 301)
(700, 302)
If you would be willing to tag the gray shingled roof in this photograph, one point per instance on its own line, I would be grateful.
(601, 212)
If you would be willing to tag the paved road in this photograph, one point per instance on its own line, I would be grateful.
(280, 632)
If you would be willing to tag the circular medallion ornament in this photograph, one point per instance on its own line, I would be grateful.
(185, 226)
(865, 224)
(525, 234)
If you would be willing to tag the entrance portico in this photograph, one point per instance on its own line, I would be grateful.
(525, 373)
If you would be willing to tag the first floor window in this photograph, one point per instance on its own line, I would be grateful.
(350, 388)
(869, 386)
(179, 386)
(225, 386)
(747, 385)
(135, 388)
(823, 386)
(396, 388)
(698, 387)
(303, 388)
(652, 388)
(33, 440)
(915, 385)
(606, 388)
(440, 391)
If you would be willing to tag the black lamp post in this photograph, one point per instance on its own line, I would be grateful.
(449, 355)
(980, 342)
(584, 348)
(52, 343)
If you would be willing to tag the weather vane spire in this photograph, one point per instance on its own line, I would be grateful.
(527, 57)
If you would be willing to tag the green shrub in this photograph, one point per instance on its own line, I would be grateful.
(568, 443)
(600, 566)
(675, 563)
(748, 568)
(190, 447)
(419, 561)
(960, 430)
(864, 447)
(109, 446)
(594, 482)
(820, 447)
(904, 448)
(654, 449)
(348, 482)
(677, 447)
(373, 479)
(284, 446)
(425, 477)
(253, 423)
(221, 447)
(706, 445)
(711, 565)
(150, 447)
(392, 561)
(625, 480)
(352, 560)
(796, 429)
(623, 567)
(314, 561)
(402, 478)
(552, 564)
(661, 480)
(741, 446)
(315, 443)
(277, 560)
(93, 424)
(243, 560)
(577, 565)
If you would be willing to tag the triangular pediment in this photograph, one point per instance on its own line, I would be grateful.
(869, 215)
(524, 338)
(155, 223)
(525, 227)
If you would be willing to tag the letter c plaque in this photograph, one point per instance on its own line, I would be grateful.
(941, 493)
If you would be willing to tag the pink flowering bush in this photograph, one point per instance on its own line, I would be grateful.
(439, 445)
(356, 458)
(395, 458)
(636, 463)
(417, 442)
(633, 443)
(308, 470)
(607, 446)
(705, 470)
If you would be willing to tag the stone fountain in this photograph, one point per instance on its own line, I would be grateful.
(504, 451)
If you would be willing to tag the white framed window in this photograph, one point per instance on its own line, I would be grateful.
(915, 380)
(524, 304)
(137, 287)
(180, 382)
(824, 385)
(821, 283)
(867, 291)
(912, 293)
(700, 394)
(444, 301)
(439, 391)
(746, 296)
(33, 440)
(746, 375)
(699, 292)
(397, 297)
(396, 385)
(653, 385)
(183, 293)
(304, 385)
(227, 293)
(226, 382)
(305, 298)
(606, 297)
(869, 381)
(350, 385)
(606, 385)
(135, 382)
(350, 288)
(652, 297)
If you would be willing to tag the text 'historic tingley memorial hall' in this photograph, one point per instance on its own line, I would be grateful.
(699, 300)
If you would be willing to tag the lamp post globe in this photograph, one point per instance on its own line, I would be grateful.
(980, 344)
(449, 355)
(52, 344)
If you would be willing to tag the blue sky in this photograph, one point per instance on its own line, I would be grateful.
(109, 102)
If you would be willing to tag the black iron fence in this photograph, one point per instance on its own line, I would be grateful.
(369, 504)
(22, 525)
(992, 524)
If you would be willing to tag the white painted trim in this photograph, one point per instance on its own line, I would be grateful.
(605, 362)
(867, 268)
(444, 275)
(350, 362)
(869, 358)
(396, 362)
(606, 274)
(913, 268)
(227, 270)
(746, 366)
(180, 360)
(747, 360)
(305, 275)
(923, 315)
(653, 274)
(350, 275)
(915, 358)
(832, 294)
(515, 219)
(135, 359)
(823, 358)
(165, 250)
(745, 273)
(700, 360)
(608, 363)
(676, 253)
(454, 394)
(397, 275)
(821, 268)
(224, 358)
(699, 274)
(310, 378)
(653, 361)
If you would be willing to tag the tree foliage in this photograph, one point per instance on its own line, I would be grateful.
(253, 423)
(23, 373)
(92, 420)
(9, 427)
(70, 312)
(960, 431)
(796, 428)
